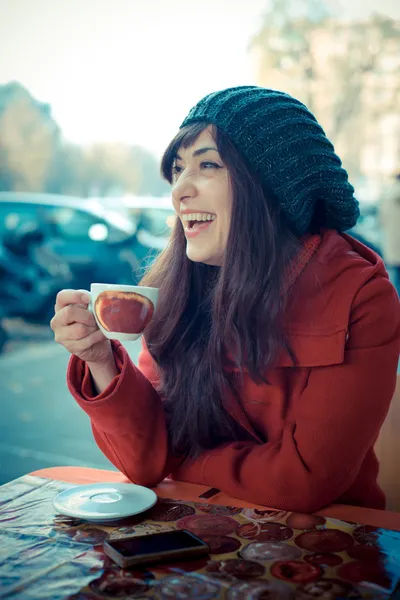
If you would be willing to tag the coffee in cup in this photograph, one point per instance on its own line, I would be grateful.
(122, 312)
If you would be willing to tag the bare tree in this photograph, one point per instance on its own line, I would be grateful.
(285, 40)
(346, 72)
(372, 48)
(28, 139)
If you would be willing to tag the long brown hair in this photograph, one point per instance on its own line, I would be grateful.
(207, 313)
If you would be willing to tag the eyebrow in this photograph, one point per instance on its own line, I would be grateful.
(198, 152)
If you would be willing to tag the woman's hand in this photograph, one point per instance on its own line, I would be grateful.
(76, 329)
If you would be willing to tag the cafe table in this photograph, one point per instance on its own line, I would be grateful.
(256, 552)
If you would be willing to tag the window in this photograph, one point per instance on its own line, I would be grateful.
(74, 224)
(13, 215)
(68, 222)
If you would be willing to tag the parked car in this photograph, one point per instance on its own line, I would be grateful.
(30, 277)
(96, 242)
(154, 214)
(154, 218)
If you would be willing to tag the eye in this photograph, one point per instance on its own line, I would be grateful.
(206, 164)
(176, 169)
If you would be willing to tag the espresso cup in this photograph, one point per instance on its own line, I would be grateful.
(122, 312)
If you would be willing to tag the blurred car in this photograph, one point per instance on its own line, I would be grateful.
(155, 213)
(96, 242)
(154, 218)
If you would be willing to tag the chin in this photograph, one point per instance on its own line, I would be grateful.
(195, 257)
(201, 257)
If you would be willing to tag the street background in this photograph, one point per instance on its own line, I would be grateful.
(91, 93)
(41, 425)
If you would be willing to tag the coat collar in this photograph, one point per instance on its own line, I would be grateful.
(321, 283)
(309, 247)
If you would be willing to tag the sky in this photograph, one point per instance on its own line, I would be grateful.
(129, 70)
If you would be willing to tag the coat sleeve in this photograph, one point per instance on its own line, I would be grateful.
(127, 418)
(335, 423)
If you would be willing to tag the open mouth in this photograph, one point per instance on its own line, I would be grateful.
(197, 222)
(193, 225)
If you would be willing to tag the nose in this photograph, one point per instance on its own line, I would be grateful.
(184, 188)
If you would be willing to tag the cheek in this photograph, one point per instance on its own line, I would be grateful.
(226, 214)
(227, 202)
(222, 231)
(224, 220)
(175, 201)
(223, 200)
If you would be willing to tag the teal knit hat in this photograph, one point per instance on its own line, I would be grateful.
(282, 142)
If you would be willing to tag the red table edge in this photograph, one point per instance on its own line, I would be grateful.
(179, 490)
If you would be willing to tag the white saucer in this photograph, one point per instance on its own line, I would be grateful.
(103, 502)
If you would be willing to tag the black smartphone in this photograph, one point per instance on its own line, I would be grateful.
(157, 547)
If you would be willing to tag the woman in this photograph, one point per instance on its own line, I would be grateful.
(270, 364)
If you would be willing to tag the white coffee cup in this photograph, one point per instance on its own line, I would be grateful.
(126, 308)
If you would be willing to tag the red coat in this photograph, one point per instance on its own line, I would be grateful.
(314, 427)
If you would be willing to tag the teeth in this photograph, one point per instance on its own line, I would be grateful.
(198, 217)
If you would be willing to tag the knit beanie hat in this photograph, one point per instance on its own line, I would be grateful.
(282, 142)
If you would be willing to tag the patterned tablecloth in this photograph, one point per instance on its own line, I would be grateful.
(254, 554)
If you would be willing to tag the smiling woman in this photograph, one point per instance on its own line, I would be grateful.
(201, 193)
(210, 180)
(276, 336)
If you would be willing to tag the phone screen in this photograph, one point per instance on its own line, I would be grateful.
(157, 543)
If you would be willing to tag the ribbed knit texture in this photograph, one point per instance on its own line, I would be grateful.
(282, 142)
